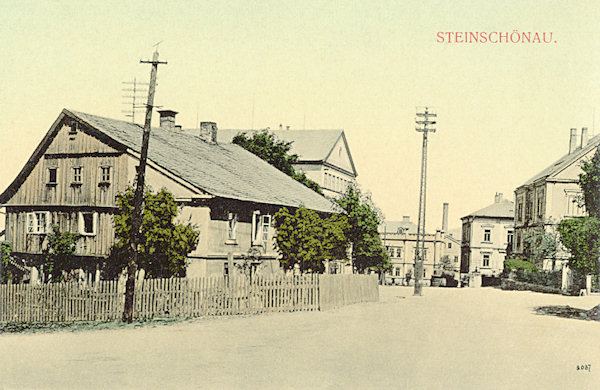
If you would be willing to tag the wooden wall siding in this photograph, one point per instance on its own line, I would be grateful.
(23, 242)
(183, 298)
(35, 190)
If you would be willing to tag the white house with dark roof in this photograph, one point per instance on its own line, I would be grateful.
(323, 155)
(486, 234)
(553, 195)
(84, 160)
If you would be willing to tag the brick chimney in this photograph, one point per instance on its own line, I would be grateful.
(445, 218)
(498, 197)
(167, 119)
(584, 136)
(573, 141)
(208, 132)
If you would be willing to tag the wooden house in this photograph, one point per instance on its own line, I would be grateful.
(83, 161)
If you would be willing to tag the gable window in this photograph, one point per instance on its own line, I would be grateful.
(449, 245)
(87, 223)
(487, 235)
(486, 260)
(51, 176)
(105, 174)
(77, 175)
(38, 222)
(232, 220)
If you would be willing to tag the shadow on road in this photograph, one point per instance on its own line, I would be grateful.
(569, 312)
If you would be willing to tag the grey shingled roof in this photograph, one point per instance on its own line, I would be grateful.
(565, 161)
(503, 209)
(309, 145)
(397, 226)
(223, 170)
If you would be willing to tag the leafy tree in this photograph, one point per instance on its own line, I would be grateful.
(363, 218)
(581, 237)
(266, 146)
(5, 253)
(539, 246)
(164, 244)
(306, 239)
(589, 182)
(60, 254)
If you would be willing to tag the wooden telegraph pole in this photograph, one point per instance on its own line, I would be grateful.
(423, 121)
(138, 198)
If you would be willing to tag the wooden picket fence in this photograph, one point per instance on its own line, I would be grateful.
(182, 297)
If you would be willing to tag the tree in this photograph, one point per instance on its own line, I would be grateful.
(164, 244)
(363, 218)
(5, 253)
(60, 256)
(266, 146)
(581, 237)
(539, 246)
(307, 240)
(589, 182)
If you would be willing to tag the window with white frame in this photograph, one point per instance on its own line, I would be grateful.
(261, 227)
(397, 271)
(232, 220)
(88, 222)
(77, 178)
(38, 222)
(486, 259)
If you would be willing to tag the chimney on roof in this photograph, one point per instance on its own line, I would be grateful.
(445, 218)
(573, 141)
(406, 218)
(167, 119)
(498, 197)
(584, 136)
(208, 132)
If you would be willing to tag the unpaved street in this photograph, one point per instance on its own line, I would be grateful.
(448, 338)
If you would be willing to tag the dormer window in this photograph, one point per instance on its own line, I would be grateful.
(77, 177)
(52, 175)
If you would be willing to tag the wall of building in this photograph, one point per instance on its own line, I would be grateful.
(401, 248)
(476, 246)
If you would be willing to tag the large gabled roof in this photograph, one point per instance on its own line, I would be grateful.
(221, 170)
(502, 209)
(565, 161)
(309, 145)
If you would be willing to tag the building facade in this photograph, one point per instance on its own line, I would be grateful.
(486, 235)
(551, 196)
(323, 155)
(226, 193)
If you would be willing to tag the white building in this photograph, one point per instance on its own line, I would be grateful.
(323, 155)
(485, 237)
(553, 195)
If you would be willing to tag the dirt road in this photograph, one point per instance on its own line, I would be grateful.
(448, 338)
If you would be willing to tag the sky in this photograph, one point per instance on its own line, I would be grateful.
(504, 109)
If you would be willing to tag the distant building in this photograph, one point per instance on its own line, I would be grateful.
(553, 195)
(400, 240)
(486, 234)
(323, 155)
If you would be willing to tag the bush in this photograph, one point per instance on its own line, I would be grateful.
(518, 264)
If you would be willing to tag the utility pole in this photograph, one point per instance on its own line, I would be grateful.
(423, 122)
(138, 198)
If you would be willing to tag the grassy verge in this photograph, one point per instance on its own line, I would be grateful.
(75, 326)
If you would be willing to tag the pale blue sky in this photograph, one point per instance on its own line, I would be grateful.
(504, 110)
